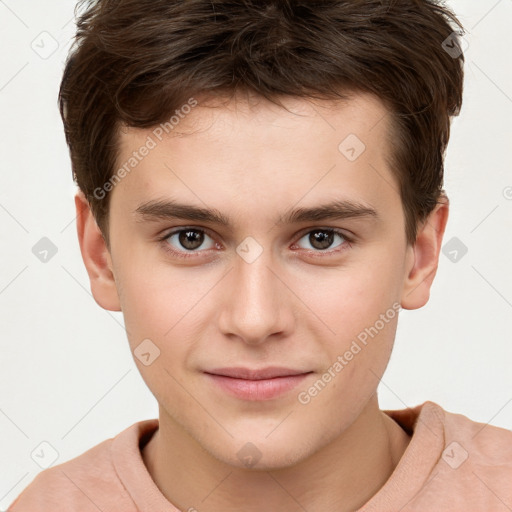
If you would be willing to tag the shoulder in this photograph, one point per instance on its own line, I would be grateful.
(475, 466)
(483, 443)
(86, 483)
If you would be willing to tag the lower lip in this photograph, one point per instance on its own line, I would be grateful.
(264, 389)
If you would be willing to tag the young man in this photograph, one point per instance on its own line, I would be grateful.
(260, 194)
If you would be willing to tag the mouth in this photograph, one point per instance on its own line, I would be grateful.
(256, 384)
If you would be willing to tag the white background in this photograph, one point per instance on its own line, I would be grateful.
(66, 374)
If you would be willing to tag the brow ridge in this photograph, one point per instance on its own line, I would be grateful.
(334, 210)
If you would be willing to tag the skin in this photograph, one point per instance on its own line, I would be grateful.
(295, 305)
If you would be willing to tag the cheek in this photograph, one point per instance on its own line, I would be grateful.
(143, 306)
(358, 357)
(171, 308)
(153, 295)
(350, 384)
(155, 315)
(351, 298)
(361, 309)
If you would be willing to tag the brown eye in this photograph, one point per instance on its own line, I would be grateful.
(189, 239)
(322, 239)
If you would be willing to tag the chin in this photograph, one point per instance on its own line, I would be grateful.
(265, 459)
(261, 452)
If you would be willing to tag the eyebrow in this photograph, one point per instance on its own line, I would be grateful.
(172, 209)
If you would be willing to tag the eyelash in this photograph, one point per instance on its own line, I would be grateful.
(349, 241)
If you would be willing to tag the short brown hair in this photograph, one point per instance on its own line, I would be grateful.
(134, 62)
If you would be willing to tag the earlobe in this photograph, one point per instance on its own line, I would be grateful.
(96, 256)
(424, 257)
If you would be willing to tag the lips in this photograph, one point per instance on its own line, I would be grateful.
(256, 384)
(270, 372)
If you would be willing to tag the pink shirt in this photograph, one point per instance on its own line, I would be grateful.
(451, 464)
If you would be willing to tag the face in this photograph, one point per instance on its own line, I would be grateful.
(283, 250)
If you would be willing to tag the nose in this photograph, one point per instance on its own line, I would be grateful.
(256, 305)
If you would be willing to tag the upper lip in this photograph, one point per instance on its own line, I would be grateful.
(256, 374)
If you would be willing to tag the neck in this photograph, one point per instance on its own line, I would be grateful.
(341, 476)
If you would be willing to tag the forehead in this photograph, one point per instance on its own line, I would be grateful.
(251, 152)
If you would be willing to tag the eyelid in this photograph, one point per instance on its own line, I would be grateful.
(339, 231)
(178, 229)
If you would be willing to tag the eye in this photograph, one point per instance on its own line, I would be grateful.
(188, 240)
(322, 239)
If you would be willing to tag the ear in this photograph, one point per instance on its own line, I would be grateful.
(424, 257)
(96, 256)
